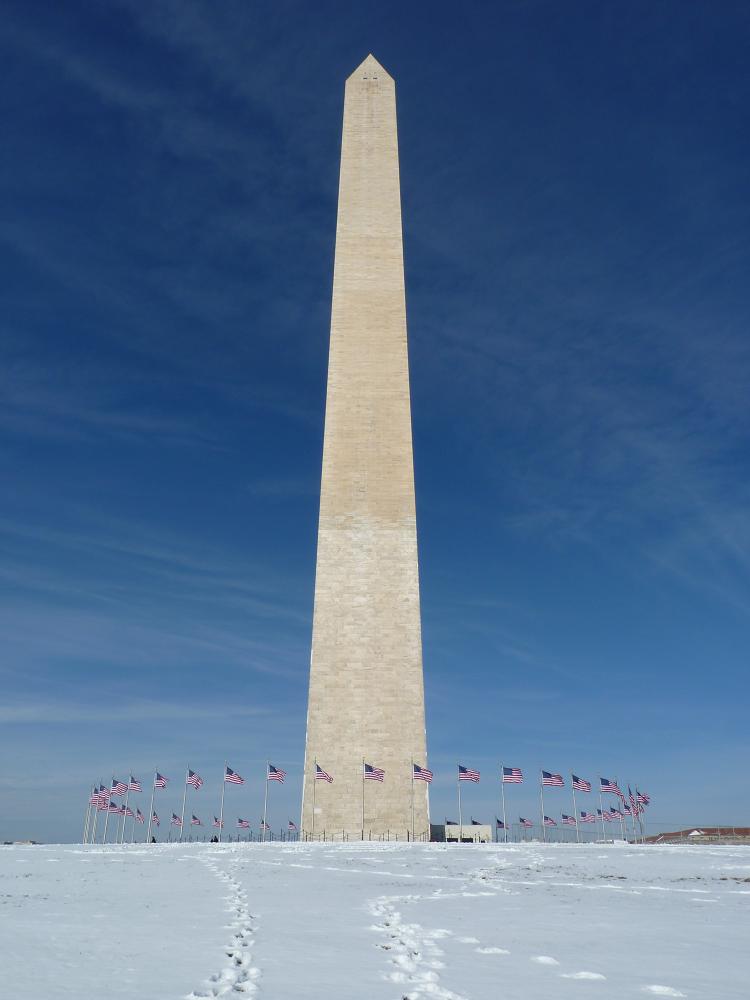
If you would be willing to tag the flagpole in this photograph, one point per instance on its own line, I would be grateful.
(106, 818)
(132, 834)
(151, 810)
(315, 782)
(92, 837)
(125, 814)
(363, 798)
(92, 830)
(622, 816)
(89, 817)
(502, 799)
(86, 820)
(575, 809)
(460, 817)
(265, 804)
(601, 805)
(184, 797)
(91, 833)
(221, 809)
(412, 800)
(638, 810)
(632, 821)
(632, 815)
(640, 821)
(541, 801)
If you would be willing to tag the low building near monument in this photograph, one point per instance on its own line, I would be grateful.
(703, 835)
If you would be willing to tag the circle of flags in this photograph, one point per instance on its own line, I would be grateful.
(102, 799)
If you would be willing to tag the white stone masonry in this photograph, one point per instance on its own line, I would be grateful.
(366, 697)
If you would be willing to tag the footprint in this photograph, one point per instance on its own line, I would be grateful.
(492, 951)
(663, 991)
(582, 975)
(544, 960)
(468, 940)
(238, 976)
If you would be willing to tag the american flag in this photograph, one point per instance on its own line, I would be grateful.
(450, 822)
(176, 820)
(374, 773)
(548, 821)
(160, 781)
(118, 787)
(580, 784)
(467, 773)
(626, 809)
(634, 807)
(233, 777)
(134, 784)
(642, 797)
(605, 815)
(193, 779)
(587, 817)
(568, 820)
(128, 811)
(139, 816)
(499, 823)
(525, 822)
(194, 821)
(512, 775)
(101, 805)
(276, 774)
(615, 811)
(476, 822)
(292, 826)
(115, 809)
(103, 793)
(243, 824)
(155, 819)
(218, 823)
(321, 775)
(556, 780)
(94, 797)
(605, 785)
(422, 774)
(633, 804)
(264, 825)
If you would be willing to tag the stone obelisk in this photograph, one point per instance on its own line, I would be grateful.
(366, 699)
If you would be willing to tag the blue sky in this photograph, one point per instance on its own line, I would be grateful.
(574, 183)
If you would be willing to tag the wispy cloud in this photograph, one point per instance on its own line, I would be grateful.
(127, 712)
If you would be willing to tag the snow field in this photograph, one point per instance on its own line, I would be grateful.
(391, 921)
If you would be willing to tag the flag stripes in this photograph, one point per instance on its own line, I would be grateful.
(467, 773)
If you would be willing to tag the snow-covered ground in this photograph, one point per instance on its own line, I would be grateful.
(350, 921)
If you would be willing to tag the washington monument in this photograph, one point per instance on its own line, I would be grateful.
(366, 702)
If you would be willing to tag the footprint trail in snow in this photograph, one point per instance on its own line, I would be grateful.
(238, 975)
(415, 954)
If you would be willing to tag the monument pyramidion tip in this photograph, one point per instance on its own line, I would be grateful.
(370, 67)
